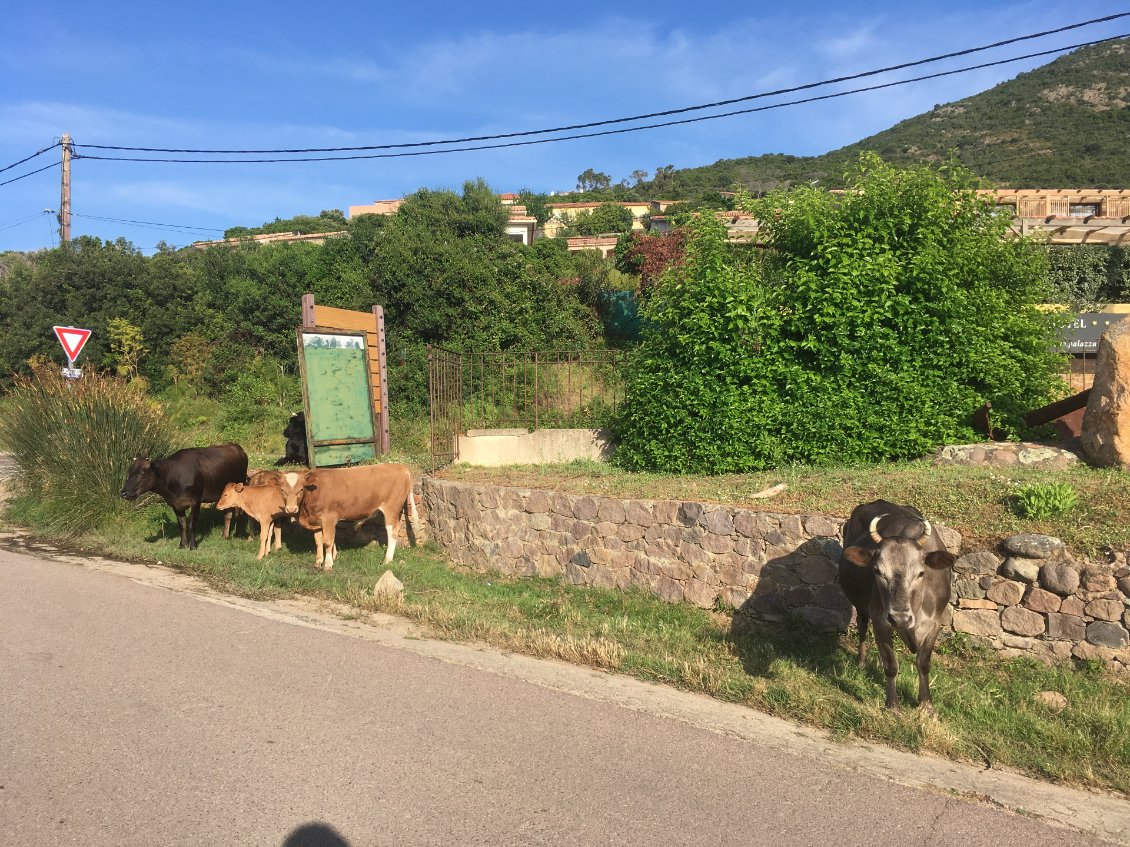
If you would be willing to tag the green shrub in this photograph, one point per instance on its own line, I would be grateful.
(74, 441)
(1043, 501)
(876, 323)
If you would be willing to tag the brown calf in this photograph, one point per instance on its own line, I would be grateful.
(355, 494)
(261, 502)
(290, 485)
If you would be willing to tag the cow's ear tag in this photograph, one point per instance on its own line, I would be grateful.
(859, 556)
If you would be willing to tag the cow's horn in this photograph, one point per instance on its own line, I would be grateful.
(927, 529)
(874, 529)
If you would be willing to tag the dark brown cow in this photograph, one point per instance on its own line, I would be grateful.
(355, 494)
(897, 574)
(186, 479)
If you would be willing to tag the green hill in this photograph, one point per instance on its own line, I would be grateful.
(1064, 124)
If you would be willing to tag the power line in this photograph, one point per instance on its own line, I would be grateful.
(612, 131)
(21, 221)
(148, 223)
(30, 173)
(29, 158)
(610, 121)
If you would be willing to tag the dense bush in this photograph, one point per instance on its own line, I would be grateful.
(74, 441)
(874, 327)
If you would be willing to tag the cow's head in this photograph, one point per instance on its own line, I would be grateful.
(142, 477)
(900, 566)
(293, 488)
(229, 498)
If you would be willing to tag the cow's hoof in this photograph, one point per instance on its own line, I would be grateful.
(928, 710)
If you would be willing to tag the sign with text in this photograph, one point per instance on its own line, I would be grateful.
(1082, 334)
(73, 340)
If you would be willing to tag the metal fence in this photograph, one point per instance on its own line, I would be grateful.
(518, 389)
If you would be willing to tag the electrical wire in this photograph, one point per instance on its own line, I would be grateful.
(148, 223)
(29, 158)
(646, 116)
(21, 221)
(30, 173)
(620, 131)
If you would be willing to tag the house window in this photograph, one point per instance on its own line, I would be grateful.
(1084, 210)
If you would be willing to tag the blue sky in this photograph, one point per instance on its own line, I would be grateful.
(280, 75)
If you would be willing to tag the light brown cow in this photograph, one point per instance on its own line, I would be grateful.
(261, 502)
(290, 484)
(355, 494)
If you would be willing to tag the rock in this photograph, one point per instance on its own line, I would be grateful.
(1106, 634)
(1094, 579)
(689, 513)
(1006, 592)
(951, 539)
(816, 570)
(976, 604)
(1022, 621)
(1124, 585)
(388, 586)
(1105, 437)
(824, 619)
(1052, 700)
(1059, 578)
(1039, 600)
(1032, 546)
(977, 622)
(1105, 610)
(1067, 627)
(968, 589)
(980, 562)
(1072, 606)
(719, 521)
(820, 525)
(1025, 570)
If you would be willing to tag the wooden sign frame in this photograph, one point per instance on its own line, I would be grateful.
(372, 324)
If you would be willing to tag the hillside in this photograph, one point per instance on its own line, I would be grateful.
(1064, 124)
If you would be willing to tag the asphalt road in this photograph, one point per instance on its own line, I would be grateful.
(138, 715)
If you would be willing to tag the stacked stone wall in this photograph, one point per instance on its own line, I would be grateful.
(1028, 597)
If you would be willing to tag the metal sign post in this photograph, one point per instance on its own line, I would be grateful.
(73, 340)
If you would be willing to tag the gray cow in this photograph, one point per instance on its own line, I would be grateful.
(897, 574)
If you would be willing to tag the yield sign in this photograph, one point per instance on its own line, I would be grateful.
(72, 338)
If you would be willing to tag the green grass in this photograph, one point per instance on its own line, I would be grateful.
(985, 704)
(975, 499)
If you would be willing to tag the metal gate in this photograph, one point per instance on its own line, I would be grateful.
(526, 389)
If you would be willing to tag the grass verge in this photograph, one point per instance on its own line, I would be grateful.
(987, 711)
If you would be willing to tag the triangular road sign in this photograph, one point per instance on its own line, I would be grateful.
(72, 338)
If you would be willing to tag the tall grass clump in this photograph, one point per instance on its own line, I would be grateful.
(74, 441)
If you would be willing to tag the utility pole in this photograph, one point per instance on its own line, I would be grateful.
(65, 199)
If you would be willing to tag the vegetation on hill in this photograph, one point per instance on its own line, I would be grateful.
(328, 220)
(220, 322)
(1064, 124)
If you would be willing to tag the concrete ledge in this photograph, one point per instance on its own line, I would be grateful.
(495, 447)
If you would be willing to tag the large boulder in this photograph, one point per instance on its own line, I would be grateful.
(1106, 423)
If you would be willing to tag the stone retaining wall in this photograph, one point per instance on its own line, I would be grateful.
(1032, 598)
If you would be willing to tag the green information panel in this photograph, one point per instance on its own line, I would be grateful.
(340, 429)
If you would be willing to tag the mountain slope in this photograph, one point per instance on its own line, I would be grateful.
(1064, 124)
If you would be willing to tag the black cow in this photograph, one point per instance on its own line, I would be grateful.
(295, 435)
(188, 478)
(897, 574)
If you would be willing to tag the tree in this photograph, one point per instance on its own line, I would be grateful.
(127, 345)
(878, 322)
(607, 218)
(650, 255)
(592, 180)
(639, 176)
(536, 204)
